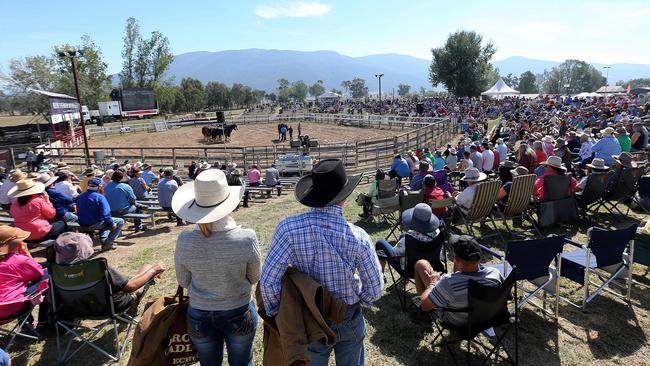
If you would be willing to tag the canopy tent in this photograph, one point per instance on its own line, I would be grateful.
(500, 89)
(611, 89)
(329, 95)
(587, 94)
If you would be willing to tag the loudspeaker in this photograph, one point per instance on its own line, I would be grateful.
(221, 117)
(116, 95)
(419, 108)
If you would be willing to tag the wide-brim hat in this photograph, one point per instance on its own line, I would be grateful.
(17, 175)
(46, 179)
(598, 163)
(421, 219)
(560, 142)
(71, 247)
(10, 238)
(205, 166)
(89, 171)
(625, 159)
(520, 170)
(146, 166)
(138, 164)
(26, 187)
(508, 164)
(473, 175)
(499, 141)
(621, 131)
(555, 162)
(207, 198)
(607, 132)
(326, 184)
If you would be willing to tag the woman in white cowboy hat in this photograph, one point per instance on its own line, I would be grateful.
(219, 262)
(32, 211)
(552, 166)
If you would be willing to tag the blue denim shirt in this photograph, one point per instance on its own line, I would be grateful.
(120, 196)
(605, 148)
(166, 189)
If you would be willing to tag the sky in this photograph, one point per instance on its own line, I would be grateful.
(597, 31)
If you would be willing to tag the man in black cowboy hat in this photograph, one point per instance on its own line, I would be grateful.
(337, 254)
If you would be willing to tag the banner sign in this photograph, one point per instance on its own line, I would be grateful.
(64, 110)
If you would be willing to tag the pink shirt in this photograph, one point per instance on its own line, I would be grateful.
(33, 217)
(16, 272)
(254, 176)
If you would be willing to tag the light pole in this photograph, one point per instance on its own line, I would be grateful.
(607, 74)
(72, 54)
(379, 76)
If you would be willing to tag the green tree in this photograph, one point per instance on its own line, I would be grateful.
(634, 83)
(317, 89)
(511, 80)
(345, 84)
(572, 77)
(218, 95)
(129, 52)
(299, 90)
(283, 90)
(194, 94)
(94, 81)
(166, 94)
(33, 72)
(272, 97)
(462, 64)
(527, 83)
(403, 89)
(358, 88)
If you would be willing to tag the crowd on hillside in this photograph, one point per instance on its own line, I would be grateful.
(318, 251)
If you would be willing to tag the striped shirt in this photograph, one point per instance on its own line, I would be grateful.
(320, 243)
(451, 292)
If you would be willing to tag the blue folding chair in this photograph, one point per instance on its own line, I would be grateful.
(609, 255)
(536, 274)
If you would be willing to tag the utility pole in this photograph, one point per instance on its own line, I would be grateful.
(607, 74)
(379, 76)
(72, 54)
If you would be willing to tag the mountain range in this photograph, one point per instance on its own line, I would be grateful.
(261, 69)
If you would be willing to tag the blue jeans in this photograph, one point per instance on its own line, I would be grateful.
(385, 246)
(131, 209)
(69, 217)
(348, 349)
(209, 329)
(4, 358)
(106, 234)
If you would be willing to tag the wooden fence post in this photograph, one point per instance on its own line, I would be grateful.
(356, 154)
(141, 155)
(13, 158)
(244, 156)
(173, 158)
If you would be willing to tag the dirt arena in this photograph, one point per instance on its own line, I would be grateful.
(245, 135)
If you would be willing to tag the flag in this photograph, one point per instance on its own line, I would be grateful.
(628, 88)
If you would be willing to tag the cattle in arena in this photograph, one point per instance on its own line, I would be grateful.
(216, 133)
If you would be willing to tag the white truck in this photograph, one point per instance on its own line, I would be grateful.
(294, 164)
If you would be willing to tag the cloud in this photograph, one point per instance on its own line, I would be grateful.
(294, 9)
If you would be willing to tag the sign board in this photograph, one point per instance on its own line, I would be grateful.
(64, 110)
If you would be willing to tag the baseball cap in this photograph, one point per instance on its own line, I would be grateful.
(465, 247)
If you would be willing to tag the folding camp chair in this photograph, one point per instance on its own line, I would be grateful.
(415, 250)
(83, 291)
(482, 207)
(407, 199)
(518, 204)
(488, 308)
(621, 190)
(533, 259)
(22, 316)
(594, 191)
(608, 254)
(642, 254)
(642, 197)
(387, 204)
(558, 205)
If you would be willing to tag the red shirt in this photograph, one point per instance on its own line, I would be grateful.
(538, 188)
(541, 156)
(33, 216)
(435, 193)
(16, 272)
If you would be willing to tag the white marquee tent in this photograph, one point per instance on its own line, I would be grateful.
(500, 89)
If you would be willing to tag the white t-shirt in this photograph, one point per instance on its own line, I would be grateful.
(488, 160)
(66, 188)
(465, 198)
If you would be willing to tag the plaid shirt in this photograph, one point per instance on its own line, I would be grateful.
(320, 243)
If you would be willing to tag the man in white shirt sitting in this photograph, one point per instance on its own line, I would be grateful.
(488, 158)
(465, 198)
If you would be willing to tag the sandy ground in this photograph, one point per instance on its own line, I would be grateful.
(245, 135)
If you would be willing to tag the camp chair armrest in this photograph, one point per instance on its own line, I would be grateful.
(381, 254)
(574, 243)
(491, 252)
(453, 310)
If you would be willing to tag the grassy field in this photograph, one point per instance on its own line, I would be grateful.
(609, 333)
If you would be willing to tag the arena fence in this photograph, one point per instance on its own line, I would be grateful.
(358, 156)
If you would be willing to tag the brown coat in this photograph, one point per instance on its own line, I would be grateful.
(304, 307)
(147, 345)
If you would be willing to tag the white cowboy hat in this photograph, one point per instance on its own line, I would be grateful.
(26, 187)
(554, 161)
(46, 179)
(206, 199)
(608, 131)
(598, 163)
(473, 175)
(205, 166)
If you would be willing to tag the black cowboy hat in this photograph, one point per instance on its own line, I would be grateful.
(326, 184)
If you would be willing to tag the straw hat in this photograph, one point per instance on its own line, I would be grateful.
(555, 162)
(17, 175)
(520, 170)
(599, 164)
(499, 140)
(205, 166)
(10, 238)
(508, 164)
(138, 164)
(26, 187)
(46, 179)
(621, 131)
(607, 132)
(206, 199)
(473, 175)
